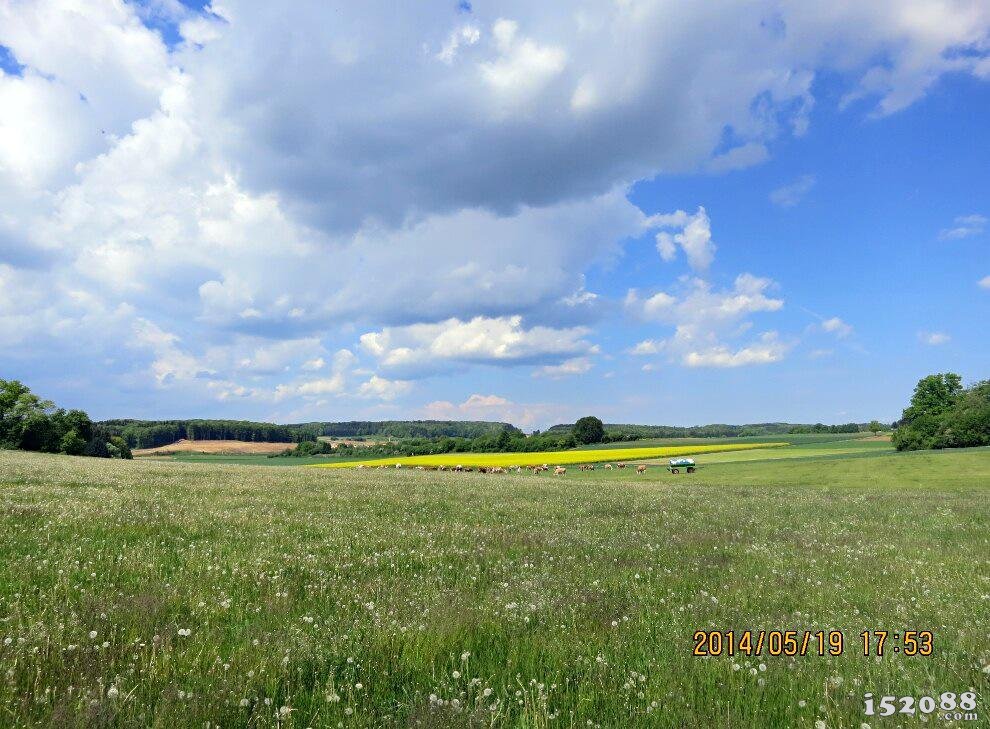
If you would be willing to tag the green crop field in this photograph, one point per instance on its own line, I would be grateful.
(564, 458)
(171, 594)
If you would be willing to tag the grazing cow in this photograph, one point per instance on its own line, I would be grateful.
(559, 471)
(622, 465)
(360, 465)
(641, 469)
(398, 465)
(420, 468)
(458, 467)
(441, 468)
(608, 466)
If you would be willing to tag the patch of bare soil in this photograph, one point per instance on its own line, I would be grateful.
(223, 447)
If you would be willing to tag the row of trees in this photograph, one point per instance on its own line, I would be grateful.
(874, 426)
(155, 433)
(944, 414)
(614, 433)
(31, 424)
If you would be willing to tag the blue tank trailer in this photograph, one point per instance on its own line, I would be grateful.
(674, 465)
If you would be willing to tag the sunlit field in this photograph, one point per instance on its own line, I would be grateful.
(561, 458)
(191, 595)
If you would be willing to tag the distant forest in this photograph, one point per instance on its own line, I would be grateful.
(155, 433)
(621, 432)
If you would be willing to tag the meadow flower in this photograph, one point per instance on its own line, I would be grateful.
(185, 632)
(112, 692)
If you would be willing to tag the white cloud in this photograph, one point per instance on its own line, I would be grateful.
(741, 157)
(466, 35)
(523, 66)
(425, 348)
(985, 282)
(787, 196)
(171, 362)
(933, 338)
(498, 409)
(964, 226)
(695, 237)
(703, 319)
(768, 348)
(647, 346)
(836, 326)
(383, 389)
(567, 368)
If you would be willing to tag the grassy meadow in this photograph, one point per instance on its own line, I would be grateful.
(198, 594)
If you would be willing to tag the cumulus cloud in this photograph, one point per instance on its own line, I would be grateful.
(933, 339)
(768, 348)
(705, 321)
(694, 238)
(383, 389)
(567, 368)
(499, 409)
(787, 196)
(836, 326)
(964, 226)
(465, 35)
(984, 282)
(421, 349)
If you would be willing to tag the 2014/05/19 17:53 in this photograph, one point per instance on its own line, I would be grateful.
(807, 642)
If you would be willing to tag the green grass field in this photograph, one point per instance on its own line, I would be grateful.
(565, 458)
(196, 594)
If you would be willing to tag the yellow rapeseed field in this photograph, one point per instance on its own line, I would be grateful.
(557, 458)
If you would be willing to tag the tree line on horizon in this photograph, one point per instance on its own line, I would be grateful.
(156, 433)
(942, 414)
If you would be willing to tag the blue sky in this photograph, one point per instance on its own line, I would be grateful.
(642, 211)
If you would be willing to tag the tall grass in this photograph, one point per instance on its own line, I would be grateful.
(187, 595)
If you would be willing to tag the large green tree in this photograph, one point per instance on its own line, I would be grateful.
(588, 429)
(943, 414)
(29, 423)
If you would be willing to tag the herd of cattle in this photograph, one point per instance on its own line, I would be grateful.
(557, 470)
